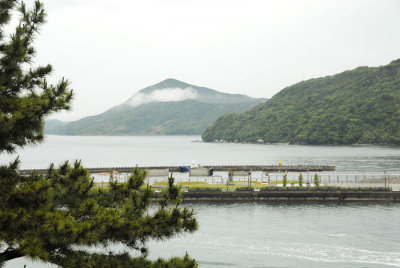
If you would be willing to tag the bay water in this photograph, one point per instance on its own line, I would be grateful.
(120, 151)
(251, 234)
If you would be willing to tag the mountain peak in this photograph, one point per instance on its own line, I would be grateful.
(173, 90)
(168, 107)
(169, 90)
(172, 80)
(167, 83)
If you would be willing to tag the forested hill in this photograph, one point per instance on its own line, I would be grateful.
(361, 106)
(170, 107)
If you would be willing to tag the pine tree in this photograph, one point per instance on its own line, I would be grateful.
(26, 97)
(316, 180)
(55, 217)
(284, 182)
(301, 180)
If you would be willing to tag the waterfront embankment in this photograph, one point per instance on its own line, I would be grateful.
(265, 168)
(352, 194)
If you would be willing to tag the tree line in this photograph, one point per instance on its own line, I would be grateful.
(361, 106)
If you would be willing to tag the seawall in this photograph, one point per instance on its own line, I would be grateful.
(340, 195)
(266, 168)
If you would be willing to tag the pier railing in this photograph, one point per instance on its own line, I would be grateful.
(265, 174)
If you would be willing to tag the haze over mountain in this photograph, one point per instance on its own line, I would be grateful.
(361, 106)
(170, 107)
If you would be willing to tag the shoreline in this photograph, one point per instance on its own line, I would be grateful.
(223, 142)
(305, 144)
(293, 195)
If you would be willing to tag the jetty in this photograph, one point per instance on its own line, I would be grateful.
(295, 194)
(265, 168)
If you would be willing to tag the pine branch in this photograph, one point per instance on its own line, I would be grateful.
(9, 254)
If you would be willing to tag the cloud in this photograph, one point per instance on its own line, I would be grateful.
(163, 95)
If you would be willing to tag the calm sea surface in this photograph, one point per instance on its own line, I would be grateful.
(248, 234)
(179, 150)
(291, 235)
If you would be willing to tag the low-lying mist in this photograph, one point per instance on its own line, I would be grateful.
(163, 95)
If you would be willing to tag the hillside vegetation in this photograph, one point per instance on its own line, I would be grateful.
(170, 107)
(188, 117)
(361, 106)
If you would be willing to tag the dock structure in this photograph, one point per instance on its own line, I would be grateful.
(272, 168)
(266, 168)
(302, 194)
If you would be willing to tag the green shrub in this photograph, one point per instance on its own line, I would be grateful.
(316, 180)
(245, 189)
(284, 180)
(301, 180)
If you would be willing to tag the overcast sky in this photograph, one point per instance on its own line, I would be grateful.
(110, 49)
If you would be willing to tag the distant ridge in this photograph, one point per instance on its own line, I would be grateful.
(361, 106)
(171, 107)
(203, 94)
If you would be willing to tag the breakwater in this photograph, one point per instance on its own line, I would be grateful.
(351, 194)
(267, 168)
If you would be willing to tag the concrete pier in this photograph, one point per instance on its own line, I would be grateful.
(267, 168)
(311, 195)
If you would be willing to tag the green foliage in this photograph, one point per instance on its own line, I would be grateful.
(230, 177)
(284, 181)
(26, 97)
(301, 180)
(183, 117)
(230, 173)
(361, 106)
(316, 180)
(54, 217)
(187, 117)
(83, 259)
